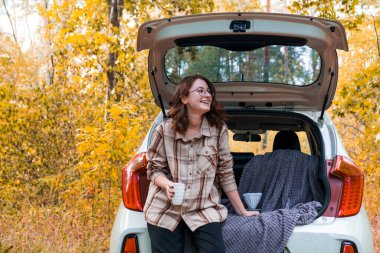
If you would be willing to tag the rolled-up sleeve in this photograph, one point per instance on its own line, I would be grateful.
(225, 163)
(156, 156)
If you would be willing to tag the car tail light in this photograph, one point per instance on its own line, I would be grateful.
(348, 247)
(353, 183)
(135, 183)
(131, 244)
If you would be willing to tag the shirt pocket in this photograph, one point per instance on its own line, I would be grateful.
(207, 161)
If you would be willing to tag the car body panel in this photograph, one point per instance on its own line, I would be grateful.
(326, 234)
(129, 222)
(323, 235)
(317, 31)
(325, 36)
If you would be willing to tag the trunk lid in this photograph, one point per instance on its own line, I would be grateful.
(257, 60)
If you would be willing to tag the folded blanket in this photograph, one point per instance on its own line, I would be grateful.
(268, 232)
(290, 195)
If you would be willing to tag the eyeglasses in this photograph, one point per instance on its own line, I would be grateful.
(203, 92)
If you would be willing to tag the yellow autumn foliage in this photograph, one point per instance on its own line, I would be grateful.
(64, 142)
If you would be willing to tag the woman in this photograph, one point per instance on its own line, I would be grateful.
(191, 147)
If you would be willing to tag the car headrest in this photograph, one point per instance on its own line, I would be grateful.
(242, 157)
(286, 140)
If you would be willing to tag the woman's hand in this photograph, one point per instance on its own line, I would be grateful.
(170, 189)
(247, 213)
(164, 183)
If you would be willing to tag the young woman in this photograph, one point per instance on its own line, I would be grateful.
(191, 147)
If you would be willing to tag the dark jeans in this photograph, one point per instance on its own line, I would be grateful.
(206, 239)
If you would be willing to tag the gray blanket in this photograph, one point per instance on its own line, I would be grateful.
(287, 179)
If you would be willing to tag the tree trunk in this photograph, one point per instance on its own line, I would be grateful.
(49, 53)
(377, 36)
(266, 78)
(115, 8)
(250, 66)
(266, 54)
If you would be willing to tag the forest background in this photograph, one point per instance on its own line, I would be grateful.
(76, 102)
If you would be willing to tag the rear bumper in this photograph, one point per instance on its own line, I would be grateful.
(129, 222)
(325, 234)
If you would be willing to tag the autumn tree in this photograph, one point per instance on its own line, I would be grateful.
(344, 11)
(65, 138)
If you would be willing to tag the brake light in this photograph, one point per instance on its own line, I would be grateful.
(353, 183)
(135, 183)
(131, 244)
(348, 247)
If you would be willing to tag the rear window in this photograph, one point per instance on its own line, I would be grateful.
(266, 143)
(290, 65)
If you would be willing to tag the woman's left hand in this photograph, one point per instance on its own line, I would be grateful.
(247, 213)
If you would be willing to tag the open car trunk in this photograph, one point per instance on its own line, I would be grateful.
(290, 175)
(257, 60)
(257, 125)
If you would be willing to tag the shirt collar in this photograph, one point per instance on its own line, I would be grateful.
(205, 131)
(205, 127)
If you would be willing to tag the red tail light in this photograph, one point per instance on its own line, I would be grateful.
(353, 183)
(348, 247)
(131, 244)
(135, 183)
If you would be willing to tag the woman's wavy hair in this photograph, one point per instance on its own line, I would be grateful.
(178, 111)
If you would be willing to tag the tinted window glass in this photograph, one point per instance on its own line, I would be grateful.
(266, 143)
(292, 65)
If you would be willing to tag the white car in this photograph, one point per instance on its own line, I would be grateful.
(272, 73)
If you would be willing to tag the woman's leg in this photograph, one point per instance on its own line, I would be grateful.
(165, 241)
(208, 238)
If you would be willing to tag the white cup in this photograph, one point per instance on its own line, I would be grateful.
(252, 199)
(179, 190)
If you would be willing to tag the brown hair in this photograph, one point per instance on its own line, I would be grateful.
(178, 112)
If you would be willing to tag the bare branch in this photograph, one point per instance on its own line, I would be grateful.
(10, 21)
(377, 36)
(53, 69)
(30, 35)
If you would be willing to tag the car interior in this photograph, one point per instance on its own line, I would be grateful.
(285, 139)
(258, 134)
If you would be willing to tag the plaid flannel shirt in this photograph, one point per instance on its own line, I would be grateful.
(203, 164)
